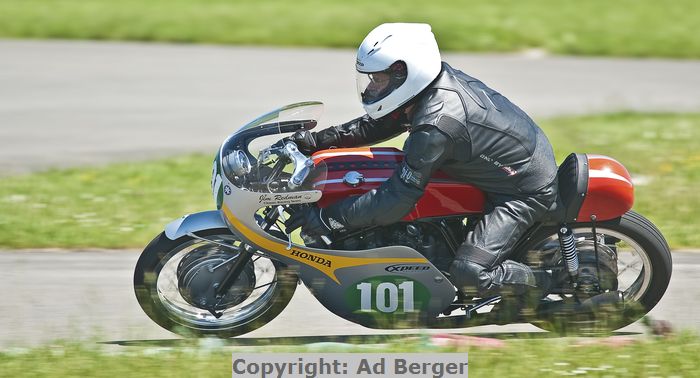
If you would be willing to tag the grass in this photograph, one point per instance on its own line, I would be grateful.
(122, 205)
(637, 28)
(661, 152)
(126, 205)
(672, 356)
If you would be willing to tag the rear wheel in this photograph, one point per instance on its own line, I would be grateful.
(172, 276)
(633, 258)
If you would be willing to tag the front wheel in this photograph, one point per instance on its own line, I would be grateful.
(633, 258)
(172, 275)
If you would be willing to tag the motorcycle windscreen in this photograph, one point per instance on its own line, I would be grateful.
(252, 171)
(271, 127)
(240, 152)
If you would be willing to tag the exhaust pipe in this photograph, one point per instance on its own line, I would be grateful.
(610, 302)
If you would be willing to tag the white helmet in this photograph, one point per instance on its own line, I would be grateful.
(394, 63)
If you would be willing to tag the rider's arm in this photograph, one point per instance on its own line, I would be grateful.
(425, 150)
(360, 131)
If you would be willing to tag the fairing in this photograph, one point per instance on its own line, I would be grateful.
(610, 191)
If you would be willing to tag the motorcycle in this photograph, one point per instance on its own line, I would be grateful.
(231, 270)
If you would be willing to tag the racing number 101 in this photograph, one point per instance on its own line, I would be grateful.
(387, 296)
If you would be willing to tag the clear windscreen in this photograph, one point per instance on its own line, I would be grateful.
(271, 127)
(252, 158)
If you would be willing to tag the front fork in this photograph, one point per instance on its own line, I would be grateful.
(229, 279)
(246, 253)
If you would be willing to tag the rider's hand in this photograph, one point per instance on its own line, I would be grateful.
(305, 141)
(313, 221)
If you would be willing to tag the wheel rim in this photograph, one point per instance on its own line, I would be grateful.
(633, 263)
(181, 312)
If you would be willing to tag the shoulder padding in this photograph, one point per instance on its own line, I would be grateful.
(435, 104)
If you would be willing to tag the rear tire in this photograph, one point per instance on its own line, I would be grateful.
(168, 311)
(643, 294)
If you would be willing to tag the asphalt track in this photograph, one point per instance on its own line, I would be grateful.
(66, 104)
(87, 294)
(78, 103)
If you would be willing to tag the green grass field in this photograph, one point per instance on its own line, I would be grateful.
(673, 356)
(661, 152)
(127, 204)
(639, 28)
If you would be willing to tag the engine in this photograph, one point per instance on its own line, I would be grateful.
(436, 240)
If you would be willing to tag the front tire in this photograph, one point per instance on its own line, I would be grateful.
(644, 268)
(156, 288)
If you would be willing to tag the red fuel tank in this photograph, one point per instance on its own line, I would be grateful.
(354, 171)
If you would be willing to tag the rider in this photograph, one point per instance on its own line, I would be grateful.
(456, 124)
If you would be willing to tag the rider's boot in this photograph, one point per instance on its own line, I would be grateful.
(520, 288)
(519, 303)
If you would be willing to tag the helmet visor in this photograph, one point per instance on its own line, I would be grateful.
(374, 86)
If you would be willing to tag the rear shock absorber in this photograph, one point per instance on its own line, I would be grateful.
(567, 243)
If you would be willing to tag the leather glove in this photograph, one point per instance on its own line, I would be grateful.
(313, 221)
(305, 141)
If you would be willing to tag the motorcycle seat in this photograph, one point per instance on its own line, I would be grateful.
(572, 185)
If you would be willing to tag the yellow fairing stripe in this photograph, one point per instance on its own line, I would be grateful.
(327, 264)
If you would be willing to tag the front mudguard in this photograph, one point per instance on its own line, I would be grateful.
(205, 220)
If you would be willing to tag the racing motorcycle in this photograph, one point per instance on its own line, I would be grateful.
(231, 270)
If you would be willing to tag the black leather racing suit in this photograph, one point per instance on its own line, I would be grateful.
(473, 133)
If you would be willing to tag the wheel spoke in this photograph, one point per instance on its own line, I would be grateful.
(267, 284)
(627, 266)
(224, 263)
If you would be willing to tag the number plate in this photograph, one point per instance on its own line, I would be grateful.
(388, 295)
